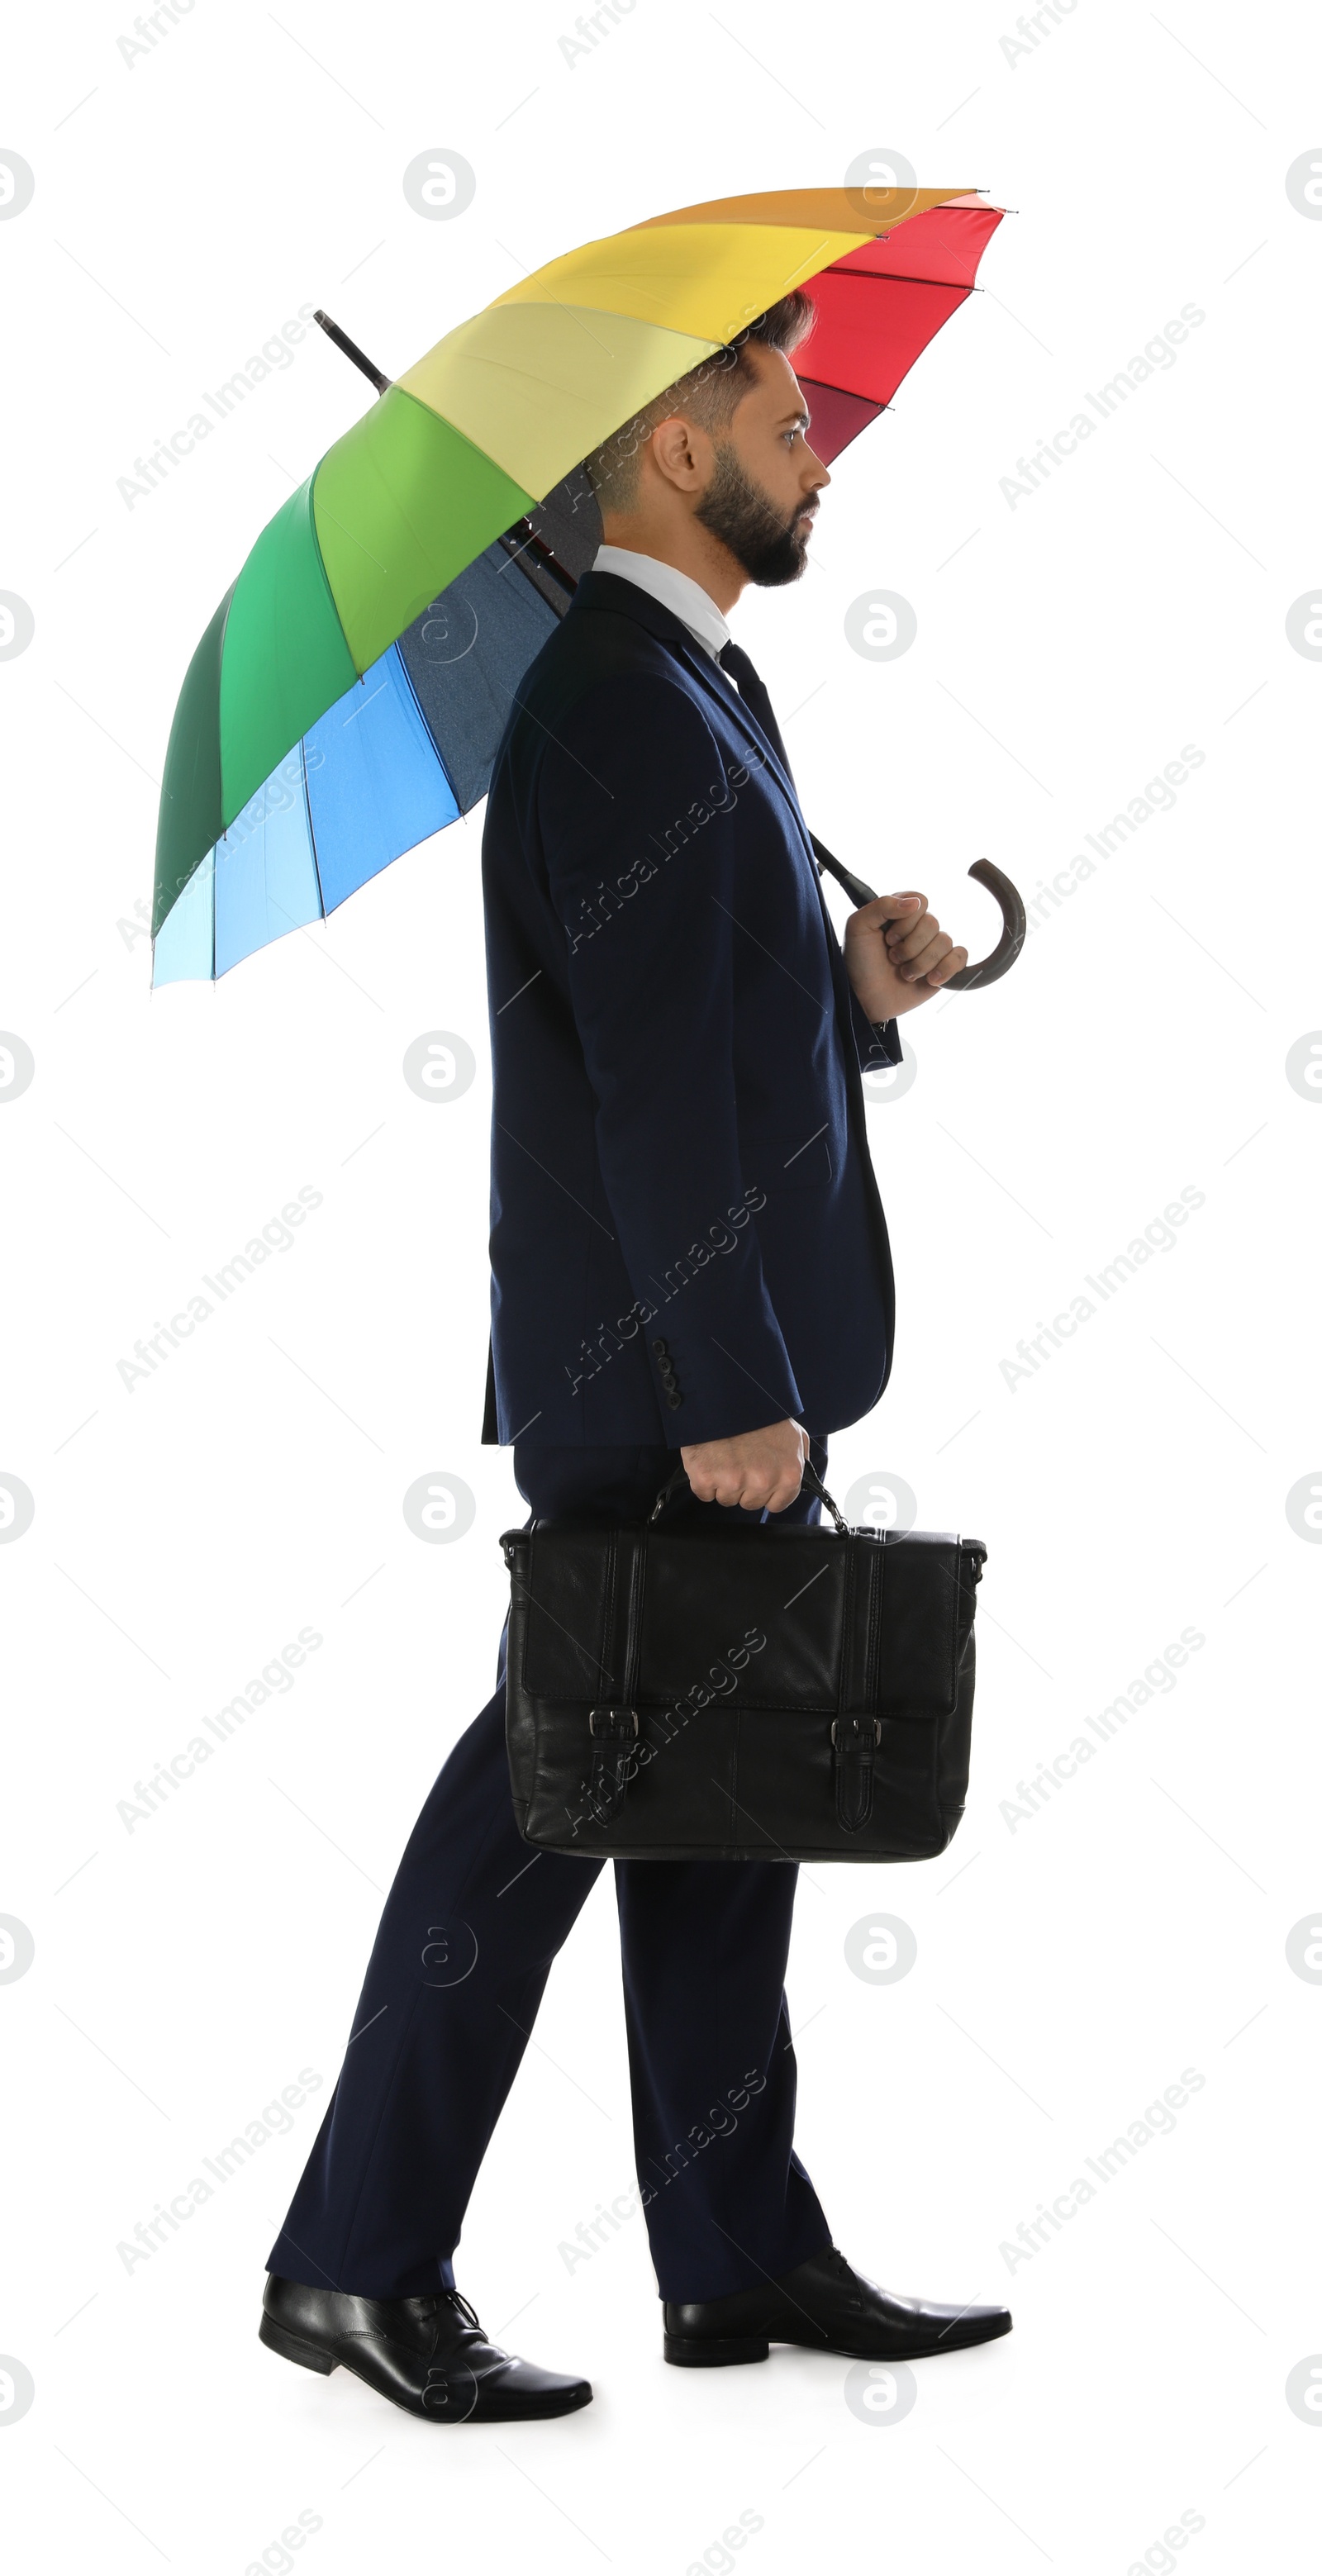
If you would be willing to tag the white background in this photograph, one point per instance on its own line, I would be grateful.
(1067, 1970)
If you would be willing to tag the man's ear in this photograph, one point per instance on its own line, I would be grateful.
(675, 446)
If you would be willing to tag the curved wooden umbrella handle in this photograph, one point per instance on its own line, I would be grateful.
(1014, 928)
(1014, 931)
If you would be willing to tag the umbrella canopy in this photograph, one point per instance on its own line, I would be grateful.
(348, 696)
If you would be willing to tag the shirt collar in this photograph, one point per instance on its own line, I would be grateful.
(686, 599)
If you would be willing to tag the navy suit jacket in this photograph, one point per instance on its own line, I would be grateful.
(686, 1235)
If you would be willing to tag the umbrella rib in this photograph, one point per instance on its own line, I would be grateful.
(312, 829)
(526, 376)
(882, 277)
(576, 316)
(356, 541)
(572, 310)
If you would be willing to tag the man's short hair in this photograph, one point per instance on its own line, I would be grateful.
(708, 395)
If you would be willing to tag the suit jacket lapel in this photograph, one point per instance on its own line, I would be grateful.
(726, 692)
(604, 590)
(607, 590)
(728, 695)
(597, 590)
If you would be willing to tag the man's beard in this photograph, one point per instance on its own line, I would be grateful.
(772, 550)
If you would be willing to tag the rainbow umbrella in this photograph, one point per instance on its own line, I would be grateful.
(348, 696)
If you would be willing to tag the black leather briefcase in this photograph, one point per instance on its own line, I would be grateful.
(747, 1692)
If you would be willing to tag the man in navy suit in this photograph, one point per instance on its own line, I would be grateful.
(689, 1258)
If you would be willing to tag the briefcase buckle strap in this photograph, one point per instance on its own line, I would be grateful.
(854, 1743)
(855, 1731)
(614, 1732)
(609, 1724)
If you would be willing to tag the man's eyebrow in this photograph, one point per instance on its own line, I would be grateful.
(801, 416)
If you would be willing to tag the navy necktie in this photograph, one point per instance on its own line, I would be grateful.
(752, 689)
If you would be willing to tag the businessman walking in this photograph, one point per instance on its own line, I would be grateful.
(688, 1256)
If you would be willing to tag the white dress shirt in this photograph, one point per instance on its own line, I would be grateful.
(685, 598)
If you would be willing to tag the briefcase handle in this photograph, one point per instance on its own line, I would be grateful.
(810, 1477)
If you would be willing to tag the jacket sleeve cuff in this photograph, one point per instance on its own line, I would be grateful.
(876, 1042)
(731, 1396)
(715, 1351)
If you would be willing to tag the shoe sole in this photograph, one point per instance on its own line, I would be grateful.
(718, 2352)
(714, 2352)
(309, 2356)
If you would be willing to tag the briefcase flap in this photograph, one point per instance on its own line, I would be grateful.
(758, 1617)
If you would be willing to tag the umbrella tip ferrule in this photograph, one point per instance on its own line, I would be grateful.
(352, 351)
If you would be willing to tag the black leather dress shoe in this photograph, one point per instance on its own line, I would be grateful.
(428, 2355)
(828, 2307)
